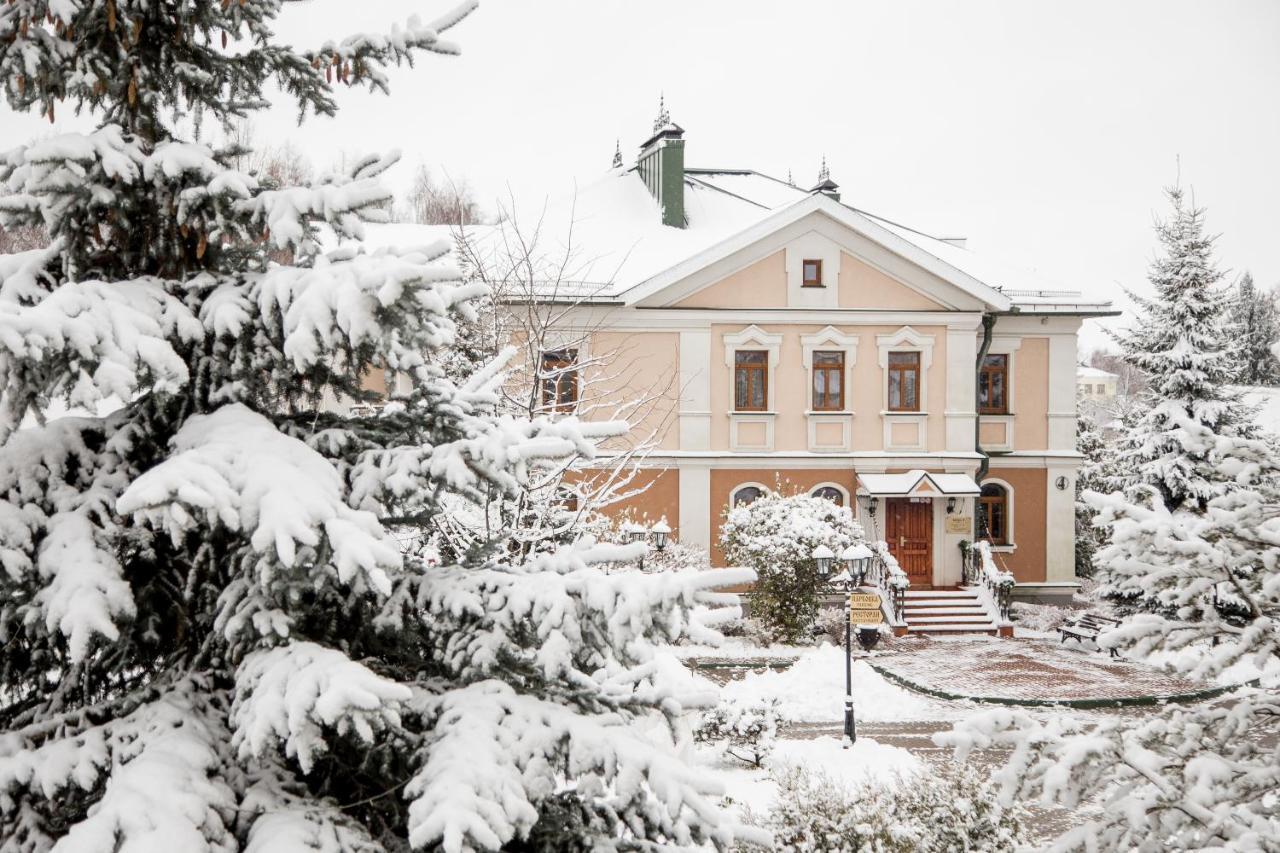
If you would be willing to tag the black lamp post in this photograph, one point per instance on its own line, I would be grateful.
(659, 533)
(855, 558)
(635, 533)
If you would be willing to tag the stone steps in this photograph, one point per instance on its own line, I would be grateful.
(946, 611)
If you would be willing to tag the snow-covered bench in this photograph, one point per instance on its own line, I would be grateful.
(1087, 627)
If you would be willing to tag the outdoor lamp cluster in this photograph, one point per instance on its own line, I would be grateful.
(856, 559)
(657, 535)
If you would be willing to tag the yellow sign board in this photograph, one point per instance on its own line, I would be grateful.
(959, 524)
(865, 617)
(864, 601)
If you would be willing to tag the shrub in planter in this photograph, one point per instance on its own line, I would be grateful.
(746, 732)
(948, 808)
(776, 535)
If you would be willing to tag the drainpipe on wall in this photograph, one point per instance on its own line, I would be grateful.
(988, 322)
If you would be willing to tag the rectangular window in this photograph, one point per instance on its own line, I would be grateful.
(1102, 389)
(993, 385)
(750, 380)
(904, 381)
(828, 381)
(559, 379)
(812, 273)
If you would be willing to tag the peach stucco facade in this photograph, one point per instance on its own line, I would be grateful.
(675, 349)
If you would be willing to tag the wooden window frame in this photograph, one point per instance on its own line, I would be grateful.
(985, 503)
(985, 374)
(811, 282)
(819, 369)
(900, 370)
(558, 380)
(756, 373)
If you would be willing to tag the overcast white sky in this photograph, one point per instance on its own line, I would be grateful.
(1042, 131)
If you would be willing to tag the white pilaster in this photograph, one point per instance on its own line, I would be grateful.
(1062, 392)
(1060, 526)
(695, 390)
(962, 353)
(695, 506)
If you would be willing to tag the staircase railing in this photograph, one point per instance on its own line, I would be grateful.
(888, 577)
(980, 570)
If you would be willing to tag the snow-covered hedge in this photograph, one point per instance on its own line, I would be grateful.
(953, 807)
(776, 535)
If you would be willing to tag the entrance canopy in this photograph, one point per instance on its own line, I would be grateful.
(917, 484)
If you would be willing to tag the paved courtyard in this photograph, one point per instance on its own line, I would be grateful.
(1024, 669)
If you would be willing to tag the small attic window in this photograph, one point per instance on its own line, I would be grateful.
(811, 273)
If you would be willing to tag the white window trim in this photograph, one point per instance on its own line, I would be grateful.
(1006, 345)
(753, 338)
(734, 491)
(830, 339)
(839, 488)
(905, 339)
(1009, 511)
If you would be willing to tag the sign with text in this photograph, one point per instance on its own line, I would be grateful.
(864, 609)
(865, 617)
(864, 601)
(959, 524)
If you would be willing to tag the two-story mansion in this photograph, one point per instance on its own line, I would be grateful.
(800, 342)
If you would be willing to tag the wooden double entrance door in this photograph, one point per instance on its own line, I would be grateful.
(908, 525)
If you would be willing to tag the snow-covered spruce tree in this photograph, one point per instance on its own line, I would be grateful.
(1256, 318)
(1181, 342)
(1090, 476)
(1195, 549)
(211, 642)
(775, 535)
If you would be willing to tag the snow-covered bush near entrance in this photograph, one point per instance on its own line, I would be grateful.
(950, 808)
(746, 731)
(776, 535)
(212, 639)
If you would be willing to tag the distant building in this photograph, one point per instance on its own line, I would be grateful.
(1095, 384)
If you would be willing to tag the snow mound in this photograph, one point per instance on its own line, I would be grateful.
(812, 690)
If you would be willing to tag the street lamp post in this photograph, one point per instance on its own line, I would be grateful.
(855, 558)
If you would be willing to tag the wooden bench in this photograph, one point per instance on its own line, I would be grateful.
(1088, 627)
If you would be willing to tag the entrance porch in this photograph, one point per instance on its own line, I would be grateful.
(923, 517)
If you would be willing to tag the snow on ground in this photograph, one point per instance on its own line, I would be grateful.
(866, 762)
(812, 690)
(736, 649)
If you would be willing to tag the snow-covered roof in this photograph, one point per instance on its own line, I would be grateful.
(1083, 372)
(620, 249)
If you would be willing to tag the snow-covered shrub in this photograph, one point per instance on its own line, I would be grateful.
(776, 536)
(952, 807)
(213, 640)
(746, 731)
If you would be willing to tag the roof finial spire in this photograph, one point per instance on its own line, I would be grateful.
(790, 180)
(824, 174)
(664, 117)
(617, 154)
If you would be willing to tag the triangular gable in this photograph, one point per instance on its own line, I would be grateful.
(916, 482)
(860, 236)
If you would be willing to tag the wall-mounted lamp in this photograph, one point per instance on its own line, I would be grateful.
(871, 507)
(951, 505)
(1062, 483)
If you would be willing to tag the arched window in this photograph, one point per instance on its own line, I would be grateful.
(831, 493)
(746, 495)
(993, 514)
